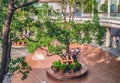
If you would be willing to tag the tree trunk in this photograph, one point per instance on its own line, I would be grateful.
(63, 10)
(5, 48)
(73, 12)
(68, 48)
(9, 53)
(64, 15)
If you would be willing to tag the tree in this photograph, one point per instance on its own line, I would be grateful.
(63, 4)
(12, 7)
(104, 7)
(88, 6)
(48, 31)
(68, 32)
(44, 27)
(119, 8)
(72, 4)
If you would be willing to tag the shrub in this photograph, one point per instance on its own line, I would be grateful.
(72, 67)
(119, 8)
(77, 64)
(62, 67)
(56, 64)
(104, 7)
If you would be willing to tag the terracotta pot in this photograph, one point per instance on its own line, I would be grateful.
(62, 71)
(22, 43)
(15, 43)
(18, 43)
(72, 71)
(55, 69)
(25, 43)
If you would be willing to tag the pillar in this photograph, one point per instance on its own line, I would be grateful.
(109, 3)
(114, 44)
(92, 8)
(82, 10)
(108, 35)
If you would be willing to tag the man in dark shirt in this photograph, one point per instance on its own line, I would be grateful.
(74, 53)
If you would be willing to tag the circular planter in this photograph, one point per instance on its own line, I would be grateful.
(13, 46)
(66, 76)
(19, 45)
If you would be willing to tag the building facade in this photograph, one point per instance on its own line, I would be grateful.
(113, 5)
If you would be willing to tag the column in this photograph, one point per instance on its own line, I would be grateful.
(82, 10)
(114, 44)
(92, 8)
(117, 2)
(108, 35)
(109, 3)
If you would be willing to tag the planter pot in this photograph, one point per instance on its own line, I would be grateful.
(55, 69)
(78, 68)
(22, 43)
(25, 43)
(72, 71)
(18, 43)
(62, 71)
(15, 43)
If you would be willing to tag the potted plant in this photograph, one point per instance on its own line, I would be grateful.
(72, 67)
(78, 65)
(56, 65)
(15, 42)
(62, 68)
(23, 42)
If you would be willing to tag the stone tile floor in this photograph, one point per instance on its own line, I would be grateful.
(23, 52)
(16, 52)
(114, 51)
(102, 68)
(20, 52)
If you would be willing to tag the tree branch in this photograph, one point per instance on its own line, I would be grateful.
(31, 39)
(27, 4)
(13, 39)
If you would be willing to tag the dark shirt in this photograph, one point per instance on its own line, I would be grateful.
(74, 57)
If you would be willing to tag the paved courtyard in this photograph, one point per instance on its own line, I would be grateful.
(105, 67)
(102, 68)
(20, 52)
(16, 52)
